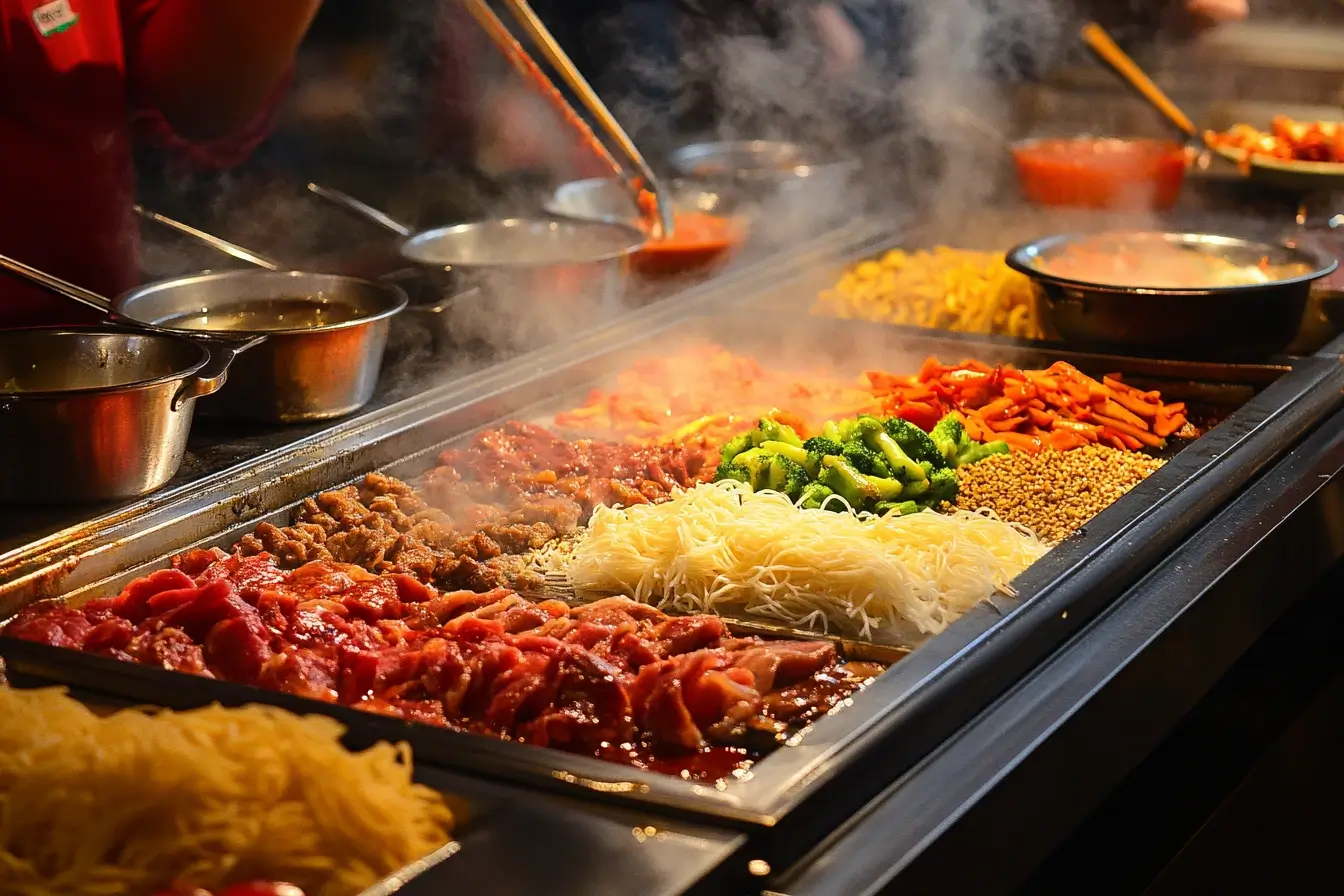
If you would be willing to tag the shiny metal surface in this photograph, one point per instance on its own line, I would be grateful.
(227, 460)
(510, 841)
(94, 415)
(799, 790)
(523, 243)
(763, 165)
(1222, 321)
(310, 373)
(228, 248)
(1012, 786)
(518, 282)
(604, 199)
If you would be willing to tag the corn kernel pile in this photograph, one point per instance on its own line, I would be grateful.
(1054, 492)
(949, 289)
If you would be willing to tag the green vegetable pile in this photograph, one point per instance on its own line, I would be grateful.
(881, 466)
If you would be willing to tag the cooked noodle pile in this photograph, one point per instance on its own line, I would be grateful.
(132, 802)
(722, 548)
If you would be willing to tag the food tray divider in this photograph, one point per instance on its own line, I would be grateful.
(800, 791)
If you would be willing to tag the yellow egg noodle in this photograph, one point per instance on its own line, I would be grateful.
(131, 802)
(949, 289)
(723, 548)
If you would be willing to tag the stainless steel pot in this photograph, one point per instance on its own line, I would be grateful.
(97, 414)
(1223, 322)
(314, 371)
(523, 277)
(311, 371)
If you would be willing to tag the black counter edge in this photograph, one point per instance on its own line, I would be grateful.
(1042, 745)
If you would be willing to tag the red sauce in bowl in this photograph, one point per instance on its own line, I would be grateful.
(698, 241)
(1101, 172)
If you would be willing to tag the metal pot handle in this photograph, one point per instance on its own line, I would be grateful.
(445, 303)
(211, 378)
(364, 210)
(57, 285)
(211, 240)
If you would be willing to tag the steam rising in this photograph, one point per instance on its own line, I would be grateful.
(400, 142)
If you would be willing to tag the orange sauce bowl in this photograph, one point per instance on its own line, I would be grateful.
(1101, 172)
(699, 242)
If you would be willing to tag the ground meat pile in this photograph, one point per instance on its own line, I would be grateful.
(384, 526)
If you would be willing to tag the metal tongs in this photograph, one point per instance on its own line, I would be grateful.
(641, 181)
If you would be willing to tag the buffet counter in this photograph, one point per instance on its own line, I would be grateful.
(1032, 786)
(992, 733)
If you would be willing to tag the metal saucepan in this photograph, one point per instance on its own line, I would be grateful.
(324, 337)
(319, 338)
(519, 270)
(97, 414)
(1227, 321)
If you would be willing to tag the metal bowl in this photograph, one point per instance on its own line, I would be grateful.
(763, 166)
(608, 199)
(96, 414)
(1215, 321)
(517, 243)
(604, 199)
(325, 337)
(517, 283)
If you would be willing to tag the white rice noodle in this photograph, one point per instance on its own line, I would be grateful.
(724, 549)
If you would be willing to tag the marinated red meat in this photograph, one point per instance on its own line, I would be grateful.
(614, 678)
(504, 467)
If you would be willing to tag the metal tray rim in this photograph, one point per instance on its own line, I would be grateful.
(780, 786)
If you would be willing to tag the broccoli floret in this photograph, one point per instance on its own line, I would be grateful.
(899, 508)
(847, 430)
(814, 496)
(950, 436)
(840, 477)
(887, 489)
(768, 470)
(818, 447)
(794, 453)
(786, 476)
(875, 436)
(866, 460)
(916, 489)
(757, 463)
(830, 431)
(976, 452)
(773, 431)
(915, 442)
(734, 446)
(731, 470)
(942, 487)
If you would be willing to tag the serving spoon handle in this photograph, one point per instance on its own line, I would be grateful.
(1109, 54)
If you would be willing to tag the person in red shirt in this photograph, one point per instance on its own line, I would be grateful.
(79, 80)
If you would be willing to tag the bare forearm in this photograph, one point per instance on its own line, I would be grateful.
(209, 65)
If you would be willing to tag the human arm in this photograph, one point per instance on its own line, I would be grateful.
(209, 66)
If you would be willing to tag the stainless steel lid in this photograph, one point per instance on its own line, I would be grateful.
(522, 242)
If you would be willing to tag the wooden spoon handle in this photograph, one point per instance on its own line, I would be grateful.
(1108, 53)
